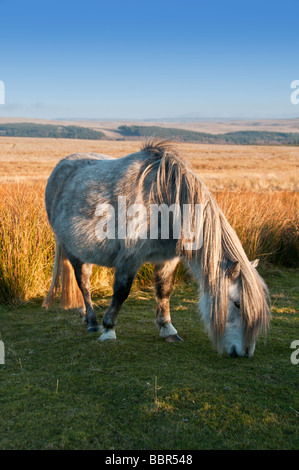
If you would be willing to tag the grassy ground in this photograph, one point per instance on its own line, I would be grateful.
(63, 389)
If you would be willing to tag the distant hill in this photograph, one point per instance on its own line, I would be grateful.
(136, 132)
(28, 129)
(234, 138)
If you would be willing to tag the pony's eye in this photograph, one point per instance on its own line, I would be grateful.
(237, 304)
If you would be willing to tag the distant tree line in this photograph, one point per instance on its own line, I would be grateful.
(49, 130)
(240, 138)
(143, 132)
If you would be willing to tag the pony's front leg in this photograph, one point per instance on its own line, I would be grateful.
(163, 288)
(124, 277)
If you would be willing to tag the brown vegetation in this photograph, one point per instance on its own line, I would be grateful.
(255, 187)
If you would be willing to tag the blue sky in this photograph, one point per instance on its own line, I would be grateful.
(149, 59)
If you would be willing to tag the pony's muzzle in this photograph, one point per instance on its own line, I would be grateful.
(234, 353)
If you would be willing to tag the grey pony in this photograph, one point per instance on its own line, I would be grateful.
(234, 297)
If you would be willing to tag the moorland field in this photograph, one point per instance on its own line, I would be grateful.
(61, 388)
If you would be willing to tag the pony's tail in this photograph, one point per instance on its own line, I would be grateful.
(71, 296)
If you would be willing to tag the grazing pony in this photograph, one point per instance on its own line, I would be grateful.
(87, 197)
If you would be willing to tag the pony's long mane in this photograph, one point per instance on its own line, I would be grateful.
(175, 182)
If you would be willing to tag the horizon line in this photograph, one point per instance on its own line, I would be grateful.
(164, 119)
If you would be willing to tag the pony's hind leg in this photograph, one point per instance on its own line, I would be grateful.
(83, 272)
(124, 276)
(83, 278)
(163, 287)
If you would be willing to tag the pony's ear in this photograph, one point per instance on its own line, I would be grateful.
(234, 270)
(255, 263)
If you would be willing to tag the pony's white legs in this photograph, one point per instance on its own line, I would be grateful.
(168, 330)
(107, 334)
(163, 288)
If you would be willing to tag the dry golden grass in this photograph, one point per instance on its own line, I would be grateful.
(267, 225)
(257, 168)
(27, 159)
(255, 187)
(26, 242)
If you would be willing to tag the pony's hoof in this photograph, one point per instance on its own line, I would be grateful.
(173, 338)
(93, 328)
(107, 334)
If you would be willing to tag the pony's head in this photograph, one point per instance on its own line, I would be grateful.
(233, 296)
(237, 311)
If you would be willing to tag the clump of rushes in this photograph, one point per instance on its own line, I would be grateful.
(266, 223)
(26, 242)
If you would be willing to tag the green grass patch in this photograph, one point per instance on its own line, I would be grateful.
(60, 388)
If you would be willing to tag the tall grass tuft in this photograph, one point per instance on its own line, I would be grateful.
(267, 224)
(26, 242)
